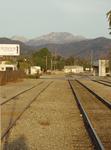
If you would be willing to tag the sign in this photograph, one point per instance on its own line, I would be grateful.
(9, 49)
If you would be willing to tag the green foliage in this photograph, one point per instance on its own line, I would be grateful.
(70, 61)
(109, 18)
(10, 62)
(39, 58)
(23, 65)
(35, 76)
(43, 52)
(77, 61)
(60, 62)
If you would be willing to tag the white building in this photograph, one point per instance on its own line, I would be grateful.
(73, 69)
(101, 68)
(34, 70)
(5, 65)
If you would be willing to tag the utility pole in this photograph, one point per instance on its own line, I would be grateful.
(46, 63)
(73, 61)
(51, 63)
(54, 60)
(91, 59)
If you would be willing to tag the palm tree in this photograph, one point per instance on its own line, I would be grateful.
(109, 18)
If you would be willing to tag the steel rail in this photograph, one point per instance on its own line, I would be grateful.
(106, 81)
(89, 127)
(10, 99)
(34, 99)
(101, 82)
(104, 101)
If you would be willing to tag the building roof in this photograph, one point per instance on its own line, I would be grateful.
(72, 67)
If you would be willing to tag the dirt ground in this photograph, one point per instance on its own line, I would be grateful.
(53, 122)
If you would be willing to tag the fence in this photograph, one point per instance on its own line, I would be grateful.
(10, 76)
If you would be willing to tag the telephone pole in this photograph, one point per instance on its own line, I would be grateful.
(46, 63)
(51, 63)
(91, 59)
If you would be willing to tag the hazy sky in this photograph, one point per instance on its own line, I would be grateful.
(32, 18)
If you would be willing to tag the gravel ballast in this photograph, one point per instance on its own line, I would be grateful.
(11, 89)
(100, 89)
(52, 122)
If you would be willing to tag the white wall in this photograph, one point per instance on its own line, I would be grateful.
(102, 67)
(3, 67)
(35, 69)
(75, 69)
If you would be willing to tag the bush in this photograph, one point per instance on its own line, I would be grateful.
(35, 76)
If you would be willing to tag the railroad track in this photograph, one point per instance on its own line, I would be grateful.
(106, 81)
(96, 115)
(16, 106)
(10, 99)
(103, 82)
(105, 101)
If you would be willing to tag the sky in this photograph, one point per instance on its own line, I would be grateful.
(33, 18)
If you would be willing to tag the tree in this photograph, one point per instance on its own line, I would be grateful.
(60, 62)
(44, 56)
(70, 61)
(109, 19)
(39, 58)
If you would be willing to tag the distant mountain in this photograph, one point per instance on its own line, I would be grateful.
(98, 47)
(55, 38)
(19, 38)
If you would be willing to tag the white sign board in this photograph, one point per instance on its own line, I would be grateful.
(9, 49)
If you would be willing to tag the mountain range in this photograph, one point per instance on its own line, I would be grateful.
(64, 44)
(100, 48)
(55, 38)
(19, 38)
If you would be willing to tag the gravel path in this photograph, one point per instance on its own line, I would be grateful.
(52, 122)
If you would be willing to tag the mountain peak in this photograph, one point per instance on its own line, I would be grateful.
(19, 38)
(55, 38)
